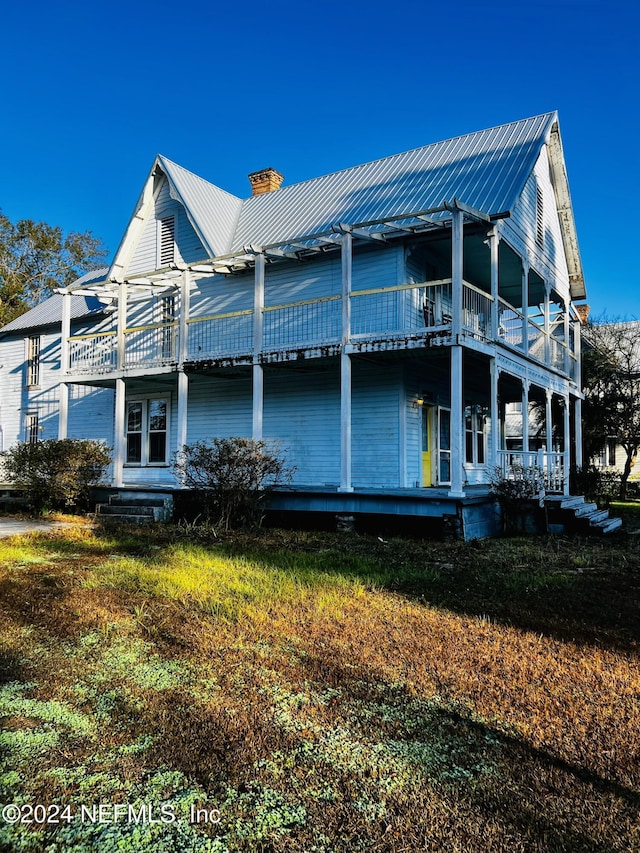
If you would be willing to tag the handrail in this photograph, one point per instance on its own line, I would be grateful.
(91, 335)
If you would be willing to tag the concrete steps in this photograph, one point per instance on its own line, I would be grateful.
(573, 513)
(136, 508)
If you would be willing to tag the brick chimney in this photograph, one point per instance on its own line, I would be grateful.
(583, 313)
(265, 181)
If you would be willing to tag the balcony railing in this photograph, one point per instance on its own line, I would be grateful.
(376, 314)
(546, 471)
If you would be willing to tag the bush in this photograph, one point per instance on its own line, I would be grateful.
(513, 491)
(597, 484)
(233, 477)
(56, 473)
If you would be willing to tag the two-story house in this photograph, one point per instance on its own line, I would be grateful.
(377, 322)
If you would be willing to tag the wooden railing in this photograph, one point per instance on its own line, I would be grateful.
(547, 471)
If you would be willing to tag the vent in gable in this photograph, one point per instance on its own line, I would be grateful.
(167, 241)
(539, 216)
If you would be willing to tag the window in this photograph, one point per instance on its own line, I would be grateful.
(474, 435)
(33, 360)
(539, 216)
(32, 428)
(146, 431)
(166, 241)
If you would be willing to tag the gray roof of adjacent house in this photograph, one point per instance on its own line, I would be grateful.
(49, 311)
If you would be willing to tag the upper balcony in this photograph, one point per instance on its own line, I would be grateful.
(395, 317)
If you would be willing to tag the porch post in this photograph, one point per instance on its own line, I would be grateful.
(183, 398)
(548, 430)
(119, 437)
(525, 307)
(567, 360)
(494, 374)
(183, 326)
(567, 443)
(578, 431)
(258, 324)
(547, 323)
(457, 433)
(525, 417)
(345, 367)
(65, 331)
(122, 324)
(494, 240)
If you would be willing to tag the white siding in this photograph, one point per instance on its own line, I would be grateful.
(219, 407)
(377, 392)
(520, 229)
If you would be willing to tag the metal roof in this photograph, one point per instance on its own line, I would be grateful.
(212, 211)
(49, 312)
(486, 170)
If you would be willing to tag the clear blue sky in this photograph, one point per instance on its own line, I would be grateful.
(91, 92)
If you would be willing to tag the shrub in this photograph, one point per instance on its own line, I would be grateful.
(233, 477)
(512, 491)
(599, 484)
(56, 473)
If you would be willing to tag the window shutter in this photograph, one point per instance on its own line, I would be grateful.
(539, 216)
(167, 241)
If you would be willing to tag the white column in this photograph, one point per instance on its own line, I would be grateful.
(494, 373)
(578, 430)
(122, 324)
(118, 434)
(567, 444)
(525, 307)
(457, 244)
(494, 245)
(183, 400)
(548, 430)
(457, 432)
(525, 417)
(566, 336)
(183, 324)
(258, 325)
(345, 367)
(547, 323)
(63, 400)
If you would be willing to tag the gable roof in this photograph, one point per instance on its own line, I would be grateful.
(49, 311)
(486, 170)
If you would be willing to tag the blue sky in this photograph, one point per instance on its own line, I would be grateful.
(93, 91)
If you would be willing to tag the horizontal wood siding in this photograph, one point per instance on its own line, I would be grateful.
(520, 228)
(377, 266)
(219, 408)
(221, 294)
(376, 425)
(302, 411)
(91, 413)
(294, 282)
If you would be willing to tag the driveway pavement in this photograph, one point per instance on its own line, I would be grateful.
(11, 526)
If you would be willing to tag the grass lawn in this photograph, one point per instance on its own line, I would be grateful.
(316, 692)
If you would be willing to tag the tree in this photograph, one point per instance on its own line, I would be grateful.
(611, 384)
(36, 258)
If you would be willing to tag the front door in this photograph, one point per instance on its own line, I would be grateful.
(444, 447)
(427, 476)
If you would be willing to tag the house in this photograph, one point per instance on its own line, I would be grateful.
(377, 322)
(30, 374)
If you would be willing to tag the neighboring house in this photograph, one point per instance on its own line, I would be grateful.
(376, 321)
(30, 375)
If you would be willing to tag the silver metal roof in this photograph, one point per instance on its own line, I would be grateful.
(486, 170)
(49, 312)
(213, 212)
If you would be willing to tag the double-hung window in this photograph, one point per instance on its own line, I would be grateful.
(147, 431)
(32, 428)
(474, 432)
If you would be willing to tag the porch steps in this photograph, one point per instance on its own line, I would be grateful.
(574, 513)
(136, 508)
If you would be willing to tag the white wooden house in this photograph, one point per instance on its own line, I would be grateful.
(376, 321)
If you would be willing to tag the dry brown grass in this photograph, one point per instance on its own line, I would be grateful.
(428, 697)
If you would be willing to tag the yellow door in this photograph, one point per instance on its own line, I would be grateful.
(426, 446)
